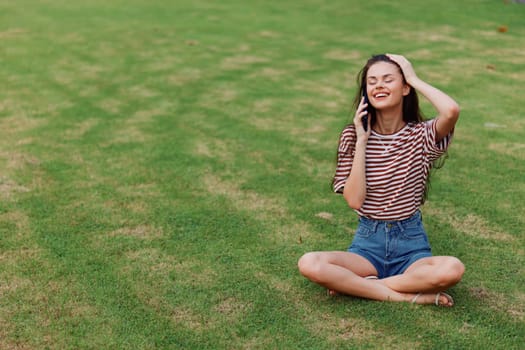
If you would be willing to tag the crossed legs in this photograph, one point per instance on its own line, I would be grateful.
(344, 272)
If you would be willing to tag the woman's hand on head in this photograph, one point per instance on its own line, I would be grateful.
(406, 66)
(358, 121)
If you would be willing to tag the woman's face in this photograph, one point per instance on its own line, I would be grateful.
(385, 85)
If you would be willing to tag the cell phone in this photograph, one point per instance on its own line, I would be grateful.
(364, 119)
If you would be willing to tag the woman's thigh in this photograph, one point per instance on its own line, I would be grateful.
(350, 261)
(437, 261)
(442, 270)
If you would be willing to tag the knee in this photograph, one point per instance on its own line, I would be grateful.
(456, 269)
(450, 272)
(310, 265)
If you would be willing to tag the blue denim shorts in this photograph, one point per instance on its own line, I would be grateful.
(391, 246)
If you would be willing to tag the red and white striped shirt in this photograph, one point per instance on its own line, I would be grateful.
(397, 168)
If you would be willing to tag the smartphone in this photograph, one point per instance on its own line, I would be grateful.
(365, 118)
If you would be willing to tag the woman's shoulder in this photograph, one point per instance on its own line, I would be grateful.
(424, 124)
(349, 130)
(347, 138)
(420, 126)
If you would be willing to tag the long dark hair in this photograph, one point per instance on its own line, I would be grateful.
(411, 111)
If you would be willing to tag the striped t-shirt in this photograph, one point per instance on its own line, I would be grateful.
(397, 167)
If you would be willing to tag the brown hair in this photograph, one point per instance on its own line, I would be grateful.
(411, 111)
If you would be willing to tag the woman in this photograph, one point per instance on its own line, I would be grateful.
(382, 172)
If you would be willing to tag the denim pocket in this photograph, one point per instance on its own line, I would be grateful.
(363, 231)
(414, 230)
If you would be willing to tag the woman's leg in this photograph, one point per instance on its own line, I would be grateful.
(428, 276)
(344, 271)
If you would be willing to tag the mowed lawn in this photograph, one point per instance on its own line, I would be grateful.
(164, 164)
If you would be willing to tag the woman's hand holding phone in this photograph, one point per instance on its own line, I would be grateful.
(361, 120)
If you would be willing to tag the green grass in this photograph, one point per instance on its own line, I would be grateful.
(163, 165)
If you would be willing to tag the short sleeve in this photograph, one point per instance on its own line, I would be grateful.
(345, 157)
(434, 148)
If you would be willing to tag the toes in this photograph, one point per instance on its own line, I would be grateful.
(332, 293)
(445, 300)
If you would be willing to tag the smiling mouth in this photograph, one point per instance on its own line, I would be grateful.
(380, 95)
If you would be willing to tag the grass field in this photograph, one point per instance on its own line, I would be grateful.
(163, 165)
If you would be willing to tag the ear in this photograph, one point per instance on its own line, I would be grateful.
(406, 89)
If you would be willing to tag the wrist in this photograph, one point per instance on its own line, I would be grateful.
(360, 144)
(414, 81)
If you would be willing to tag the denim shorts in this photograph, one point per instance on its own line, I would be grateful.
(391, 246)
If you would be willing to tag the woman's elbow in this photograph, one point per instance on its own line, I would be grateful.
(354, 203)
(355, 206)
(453, 111)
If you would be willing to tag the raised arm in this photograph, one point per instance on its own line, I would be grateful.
(447, 109)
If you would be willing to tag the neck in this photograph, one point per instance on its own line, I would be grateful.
(389, 122)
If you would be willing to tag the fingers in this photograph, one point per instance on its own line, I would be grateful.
(406, 66)
(395, 57)
(361, 109)
(360, 113)
(400, 60)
